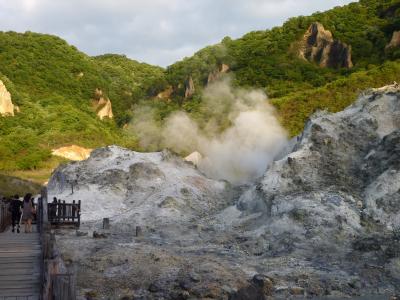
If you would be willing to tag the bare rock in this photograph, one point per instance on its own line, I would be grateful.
(166, 94)
(395, 41)
(218, 73)
(319, 46)
(6, 105)
(102, 105)
(99, 235)
(73, 152)
(189, 87)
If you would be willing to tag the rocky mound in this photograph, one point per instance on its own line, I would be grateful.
(323, 221)
(151, 186)
(319, 46)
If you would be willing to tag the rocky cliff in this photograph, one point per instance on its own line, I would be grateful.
(166, 94)
(6, 105)
(189, 88)
(319, 46)
(322, 221)
(395, 41)
(218, 73)
(102, 105)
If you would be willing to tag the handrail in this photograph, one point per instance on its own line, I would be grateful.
(4, 216)
(56, 282)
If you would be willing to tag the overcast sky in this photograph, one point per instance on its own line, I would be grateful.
(155, 31)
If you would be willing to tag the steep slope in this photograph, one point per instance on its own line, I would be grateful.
(322, 221)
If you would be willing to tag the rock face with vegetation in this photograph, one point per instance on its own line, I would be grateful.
(6, 105)
(319, 46)
(55, 99)
(217, 73)
(322, 221)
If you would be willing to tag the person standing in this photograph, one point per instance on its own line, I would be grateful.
(15, 209)
(27, 212)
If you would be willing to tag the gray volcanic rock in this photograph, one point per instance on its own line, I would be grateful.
(322, 221)
(319, 46)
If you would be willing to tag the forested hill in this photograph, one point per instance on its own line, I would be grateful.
(309, 63)
(270, 60)
(53, 84)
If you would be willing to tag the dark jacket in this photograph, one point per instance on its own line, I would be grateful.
(15, 206)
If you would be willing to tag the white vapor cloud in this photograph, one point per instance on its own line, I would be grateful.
(238, 152)
(155, 31)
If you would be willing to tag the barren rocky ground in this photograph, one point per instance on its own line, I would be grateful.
(323, 221)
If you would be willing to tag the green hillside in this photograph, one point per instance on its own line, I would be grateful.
(53, 83)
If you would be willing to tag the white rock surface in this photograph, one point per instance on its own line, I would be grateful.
(148, 187)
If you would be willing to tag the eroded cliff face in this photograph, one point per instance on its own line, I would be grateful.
(322, 221)
(6, 106)
(318, 46)
(218, 73)
(395, 41)
(189, 88)
(166, 94)
(102, 105)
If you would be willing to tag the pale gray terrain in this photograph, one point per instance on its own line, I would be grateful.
(323, 221)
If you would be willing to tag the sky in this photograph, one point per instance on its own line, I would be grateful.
(158, 32)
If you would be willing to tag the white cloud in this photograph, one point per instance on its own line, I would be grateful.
(155, 31)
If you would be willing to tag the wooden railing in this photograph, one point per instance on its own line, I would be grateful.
(61, 213)
(57, 282)
(5, 216)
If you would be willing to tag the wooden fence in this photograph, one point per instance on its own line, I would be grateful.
(5, 216)
(57, 282)
(61, 213)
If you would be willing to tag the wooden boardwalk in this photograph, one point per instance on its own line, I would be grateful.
(20, 257)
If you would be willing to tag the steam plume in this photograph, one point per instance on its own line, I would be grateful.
(240, 137)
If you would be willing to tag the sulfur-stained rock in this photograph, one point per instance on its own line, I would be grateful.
(74, 152)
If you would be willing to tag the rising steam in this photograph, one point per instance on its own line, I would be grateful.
(239, 139)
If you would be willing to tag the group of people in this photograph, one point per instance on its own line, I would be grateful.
(21, 212)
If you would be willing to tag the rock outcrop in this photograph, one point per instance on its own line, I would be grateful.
(74, 152)
(194, 158)
(166, 94)
(322, 221)
(6, 105)
(395, 41)
(318, 46)
(189, 87)
(102, 105)
(218, 73)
